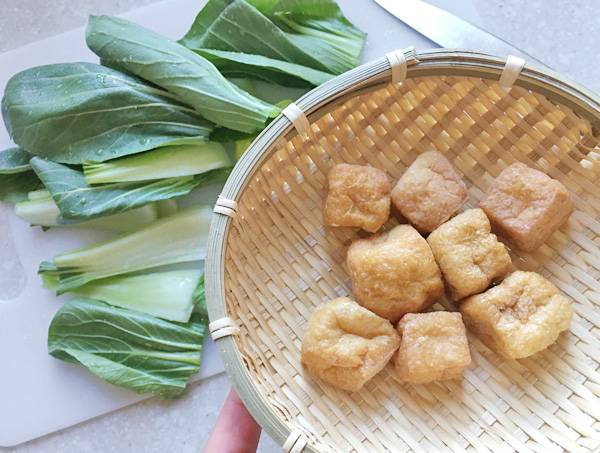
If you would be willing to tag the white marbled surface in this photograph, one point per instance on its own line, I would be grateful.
(558, 32)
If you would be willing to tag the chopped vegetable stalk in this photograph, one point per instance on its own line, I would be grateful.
(40, 211)
(312, 34)
(129, 348)
(179, 238)
(38, 194)
(166, 162)
(77, 200)
(168, 295)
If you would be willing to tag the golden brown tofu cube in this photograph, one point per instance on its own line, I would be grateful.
(358, 196)
(470, 257)
(519, 317)
(346, 345)
(394, 273)
(429, 192)
(526, 206)
(433, 347)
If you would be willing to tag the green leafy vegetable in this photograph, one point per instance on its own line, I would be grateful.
(14, 160)
(77, 200)
(129, 348)
(328, 40)
(123, 44)
(234, 25)
(313, 33)
(79, 112)
(318, 27)
(15, 186)
(179, 238)
(42, 211)
(235, 64)
(167, 295)
(166, 162)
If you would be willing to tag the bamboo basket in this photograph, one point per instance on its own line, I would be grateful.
(270, 260)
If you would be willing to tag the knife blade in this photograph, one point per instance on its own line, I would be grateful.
(447, 30)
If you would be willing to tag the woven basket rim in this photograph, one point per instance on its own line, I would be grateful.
(315, 104)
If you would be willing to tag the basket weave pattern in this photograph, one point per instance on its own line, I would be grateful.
(281, 262)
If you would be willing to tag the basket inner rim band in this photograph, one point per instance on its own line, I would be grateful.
(512, 69)
(399, 63)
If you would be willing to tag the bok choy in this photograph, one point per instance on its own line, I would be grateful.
(169, 295)
(318, 27)
(313, 34)
(193, 79)
(179, 238)
(40, 210)
(129, 348)
(14, 160)
(166, 162)
(77, 200)
(80, 112)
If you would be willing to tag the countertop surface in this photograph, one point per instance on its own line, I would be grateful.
(557, 32)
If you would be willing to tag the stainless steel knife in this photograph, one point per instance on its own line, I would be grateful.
(447, 30)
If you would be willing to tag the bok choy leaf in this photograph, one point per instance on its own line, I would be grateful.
(193, 79)
(179, 238)
(236, 64)
(14, 160)
(165, 162)
(312, 33)
(77, 200)
(318, 27)
(237, 26)
(129, 348)
(80, 112)
(168, 295)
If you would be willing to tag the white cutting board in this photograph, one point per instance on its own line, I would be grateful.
(39, 394)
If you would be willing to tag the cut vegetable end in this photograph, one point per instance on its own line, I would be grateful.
(38, 194)
(175, 239)
(44, 212)
(38, 211)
